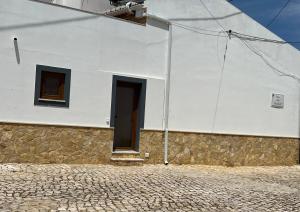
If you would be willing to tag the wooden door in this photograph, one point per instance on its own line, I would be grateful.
(126, 115)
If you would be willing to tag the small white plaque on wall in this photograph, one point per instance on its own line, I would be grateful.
(277, 100)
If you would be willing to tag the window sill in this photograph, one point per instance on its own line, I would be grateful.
(51, 100)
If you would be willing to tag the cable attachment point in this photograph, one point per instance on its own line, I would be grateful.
(229, 32)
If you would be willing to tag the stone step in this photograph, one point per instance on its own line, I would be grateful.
(125, 154)
(127, 161)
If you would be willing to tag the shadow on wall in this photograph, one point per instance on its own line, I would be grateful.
(45, 23)
(206, 19)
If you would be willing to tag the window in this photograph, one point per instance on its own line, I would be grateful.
(52, 86)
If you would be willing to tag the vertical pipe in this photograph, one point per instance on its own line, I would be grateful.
(167, 96)
(17, 50)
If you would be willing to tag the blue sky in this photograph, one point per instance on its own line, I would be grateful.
(286, 26)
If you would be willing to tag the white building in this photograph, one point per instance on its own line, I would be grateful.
(198, 79)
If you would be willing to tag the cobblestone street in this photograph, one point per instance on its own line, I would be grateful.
(148, 188)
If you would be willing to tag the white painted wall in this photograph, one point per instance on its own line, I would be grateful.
(89, 5)
(203, 98)
(94, 47)
(237, 100)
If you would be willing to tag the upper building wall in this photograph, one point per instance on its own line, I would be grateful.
(94, 48)
(233, 96)
(88, 5)
(223, 16)
(207, 94)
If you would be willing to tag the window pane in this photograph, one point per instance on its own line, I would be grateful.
(52, 86)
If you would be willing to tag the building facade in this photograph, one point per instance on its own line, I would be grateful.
(199, 83)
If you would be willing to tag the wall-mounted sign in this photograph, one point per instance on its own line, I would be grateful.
(277, 100)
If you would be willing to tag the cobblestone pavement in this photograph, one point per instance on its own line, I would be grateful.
(148, 188)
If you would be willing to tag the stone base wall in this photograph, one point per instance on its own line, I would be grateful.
(232, 150)
(28, 143)
(152, 142)
(24, 143)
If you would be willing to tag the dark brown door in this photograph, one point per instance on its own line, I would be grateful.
(126, 115)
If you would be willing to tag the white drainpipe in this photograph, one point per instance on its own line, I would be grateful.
(167, 87)
(167, 82)
(167, 96)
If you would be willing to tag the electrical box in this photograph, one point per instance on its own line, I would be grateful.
(277, 101)
(107, 120)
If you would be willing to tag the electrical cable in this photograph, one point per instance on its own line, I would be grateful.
(223, 66)
(278, 71)
(197, 30)
(237, 34)
(255, 38)
(212, 15)
(278, 14)
(244, 37)
(220, 81)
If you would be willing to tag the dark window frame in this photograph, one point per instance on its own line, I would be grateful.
(38, 80)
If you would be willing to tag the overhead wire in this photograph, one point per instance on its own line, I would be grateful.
(256, 38)
(212, 15)
(243, 38)
(274, 19)
(278, 14)
(196, 28)
(237, 34)
(261, 55)
(199, 30)
(220, 81)
(223, 65)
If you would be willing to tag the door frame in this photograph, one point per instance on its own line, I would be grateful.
(141, 103)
